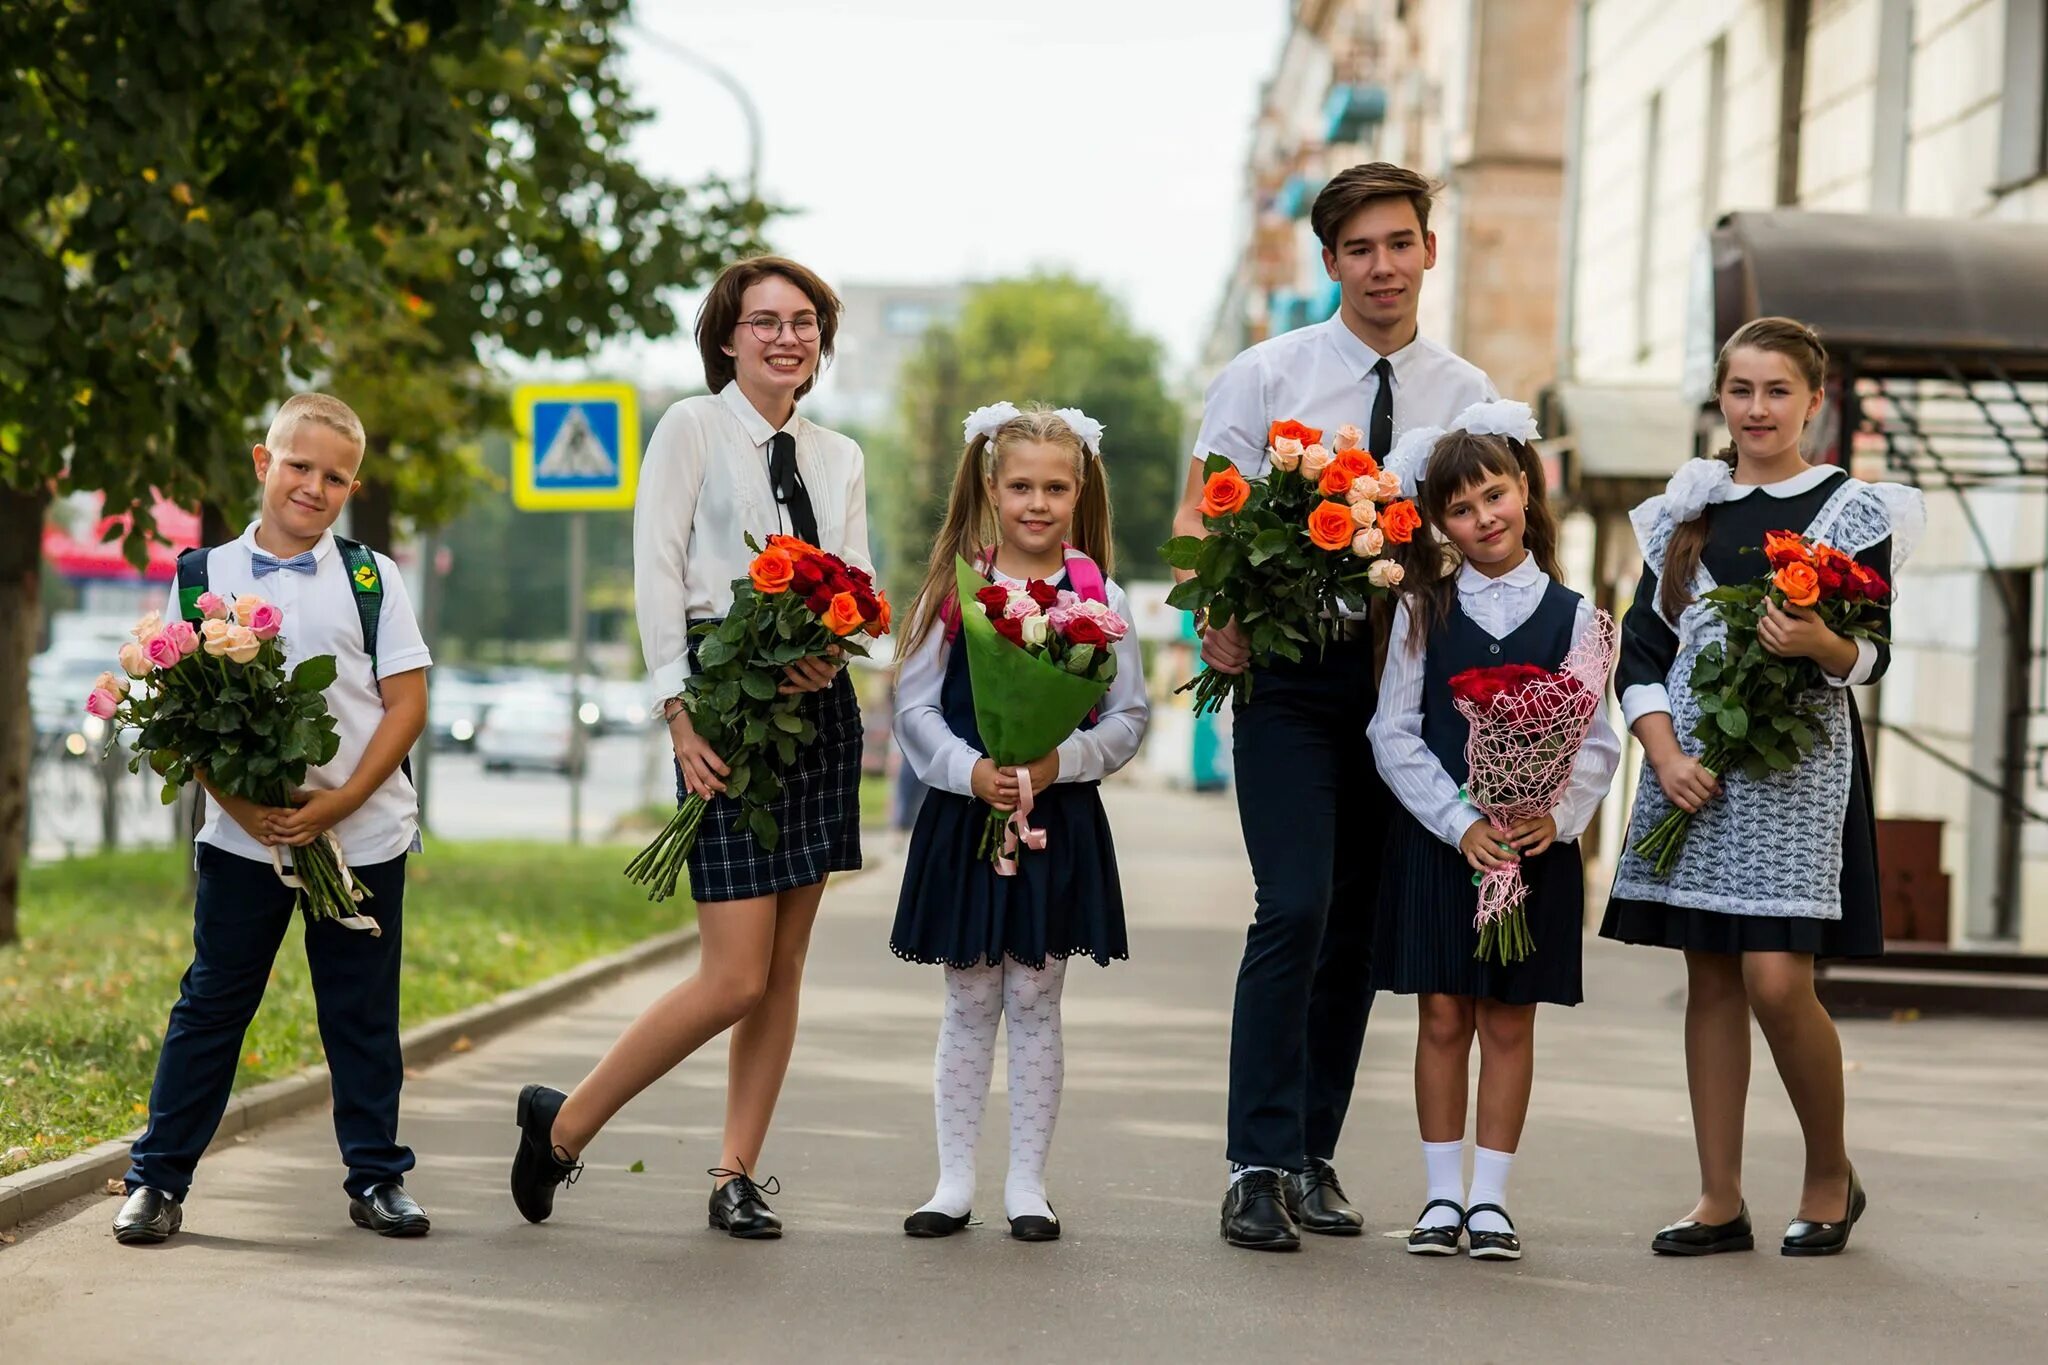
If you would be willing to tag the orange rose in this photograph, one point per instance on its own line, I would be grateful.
(843, 616)
(1330, 526)
(1308, 436)
(1784, 547)
(1400, 521)
(880, 625)
(1224, 493)
(1348, 465)
(771, 570)
(1800, 584)
(794, 548)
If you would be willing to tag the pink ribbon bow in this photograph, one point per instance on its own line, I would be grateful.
(1017, 829)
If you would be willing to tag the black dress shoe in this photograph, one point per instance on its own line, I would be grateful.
(1804, 1237)
(1491, 1246)
(1689, 1238)
(539, 1166)
(738, 1209)
(150, 1216)
(389, 1211)
(1440, 1240)
(1255, 1214)
(1318, 1204)
(1032, 1228)
(932, 1223)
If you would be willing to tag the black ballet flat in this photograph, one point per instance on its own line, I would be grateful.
(1689, 1238)
(1491, 1246)
(1032, 1228)
(1804, 1237)
(1440, 1241)
(932, 1223)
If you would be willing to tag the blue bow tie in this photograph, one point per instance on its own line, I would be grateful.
(267, 564)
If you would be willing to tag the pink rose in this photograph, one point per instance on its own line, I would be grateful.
(213, 636)
(242, 644)
(1021, 605)
(1385, 573)
(183, 636)
(163, 650)
(1368, 542)
(1314, 460)
(245, 607)
(266, 621)
(102, 703)
(145, 629)
(1350, 437)
(211, 606)
(1112, 626)
(1364, 512)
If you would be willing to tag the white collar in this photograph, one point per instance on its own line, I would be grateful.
(1523, 575)
(321, 547)
(1804, 481)
(1361, 357)
(756, 426)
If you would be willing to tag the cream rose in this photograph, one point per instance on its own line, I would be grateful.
(1034, 629)
(1314, 460)
(1384, 573)
(1286, 455)
(148, 627)
(245, 608)
(1350, 437)
(1368, 542)
(1364, 512)
(134, 662)
(242, 644)
(213, 637)
(1390, 485)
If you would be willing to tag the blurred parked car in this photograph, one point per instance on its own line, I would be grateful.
(456, 711)
(528, 729)
(57, 684)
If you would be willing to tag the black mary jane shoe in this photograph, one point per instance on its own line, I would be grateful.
(539, 1167)
(150, 1216)
(932, 1223)
(1032, 1228)
(1437, 1241)
(1255, 1214)
(1804, 1237)
(1688, 1237)
(1318, 1204)
(1491, 1246)
(389, 1211)
(739, 1207)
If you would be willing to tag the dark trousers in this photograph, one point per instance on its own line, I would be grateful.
(237, 925)
(1313, 810)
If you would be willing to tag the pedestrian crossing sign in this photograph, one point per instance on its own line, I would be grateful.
(577, 446)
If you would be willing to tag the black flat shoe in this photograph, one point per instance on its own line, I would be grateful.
(539, 1166)
(150, 1216)
(1689, 1238)
(389, 1211)
(1437, 1241)
(738, 1208)
(1804, 1237)
(1318, 1204)
(1255, 1214)
(932, 1223)
(1032, 1228)
(1491, 1246)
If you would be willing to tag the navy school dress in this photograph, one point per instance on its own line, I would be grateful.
(1425, 939)
(1064, 901)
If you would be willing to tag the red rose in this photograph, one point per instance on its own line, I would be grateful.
(1484, 686)
(861, 577)
(1083, 630)
(820, 601)
(808, 575)
(1831, 582)
(993, 599)
(1042, 592)
(1010, 630)
(1869, 583)
(865, 599)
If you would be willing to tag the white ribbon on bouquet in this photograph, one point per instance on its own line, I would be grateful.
(348, 880)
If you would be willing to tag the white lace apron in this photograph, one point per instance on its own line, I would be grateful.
(1768, 845)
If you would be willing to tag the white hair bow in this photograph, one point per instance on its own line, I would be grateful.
(1696, 485)
(1411, 457)
(986, 421)
(1082, 425)
(1509, 417)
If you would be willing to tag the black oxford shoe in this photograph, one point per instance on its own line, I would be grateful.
(1805, 1237)
(1255, 1214)
(539, 1167)
(1689, 1238)
(1318, 1204)
(739, 1209)
(389, 1211)
(150, 1216)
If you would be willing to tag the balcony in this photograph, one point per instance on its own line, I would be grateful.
(1287, 309)
(1296, 195)
(1353, 111)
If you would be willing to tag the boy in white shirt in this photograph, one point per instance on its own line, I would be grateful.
(338, 598)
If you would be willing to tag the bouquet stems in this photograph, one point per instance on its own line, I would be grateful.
(1666, 839)
(324, 892)
(1506, 940)
(1212, 689)
(662, 862)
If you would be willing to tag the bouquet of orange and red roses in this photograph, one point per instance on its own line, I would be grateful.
(1288, 551)
(1760, 712)
(796, 603)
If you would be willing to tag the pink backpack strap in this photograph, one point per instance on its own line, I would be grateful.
(1084, 576)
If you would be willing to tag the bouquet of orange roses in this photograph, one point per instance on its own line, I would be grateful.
(1760, 712)
(796, 602)
(1288, 550)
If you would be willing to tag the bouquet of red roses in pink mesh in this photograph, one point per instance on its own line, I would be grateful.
(1528, 725)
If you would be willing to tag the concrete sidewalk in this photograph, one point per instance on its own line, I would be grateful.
(1949, 1122)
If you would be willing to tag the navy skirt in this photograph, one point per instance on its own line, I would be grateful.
(1424, 940)
(1065, 900)
(818, 813)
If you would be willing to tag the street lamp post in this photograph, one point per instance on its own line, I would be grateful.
(733, 87)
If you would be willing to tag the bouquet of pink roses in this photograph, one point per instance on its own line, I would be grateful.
(214, 700)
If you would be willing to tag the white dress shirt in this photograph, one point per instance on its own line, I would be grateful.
(1646, 699)
(704, 488)
(1323, 376)
(943, 760)
(320, 618)
(1498, 606)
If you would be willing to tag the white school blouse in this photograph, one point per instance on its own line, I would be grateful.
(703, 489)
(1497, 606)
(943, 760)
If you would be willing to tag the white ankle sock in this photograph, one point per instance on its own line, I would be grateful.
(1490, 1186)
(1444, 1165)
(960, 1075)
(1038, 1067)
(1238, 1173)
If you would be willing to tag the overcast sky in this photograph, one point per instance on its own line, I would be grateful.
(937, 140)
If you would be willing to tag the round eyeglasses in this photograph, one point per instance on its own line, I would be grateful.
(767, 328)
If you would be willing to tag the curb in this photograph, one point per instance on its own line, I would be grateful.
(37, 1190)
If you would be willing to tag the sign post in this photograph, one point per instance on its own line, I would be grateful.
(577, 448)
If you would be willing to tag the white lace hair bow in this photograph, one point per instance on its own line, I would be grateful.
(1082, 425)
(1411, 457)
(1507, 417)
(1697, 485)
(986, 421)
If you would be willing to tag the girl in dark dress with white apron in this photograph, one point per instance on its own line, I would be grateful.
(1779, 870)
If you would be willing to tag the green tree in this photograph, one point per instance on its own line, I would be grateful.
(1053, 339)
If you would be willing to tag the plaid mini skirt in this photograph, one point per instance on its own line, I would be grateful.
(818, 814)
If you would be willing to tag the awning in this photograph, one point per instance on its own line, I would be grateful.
(97, 556)
(1622, 431)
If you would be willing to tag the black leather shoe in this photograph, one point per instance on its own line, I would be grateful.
(539, 1166)
(1441, 1240)
(738, 1209)
(1689, 1238)
(1032, 1228)
(1491, 1246)
(1318, 1204)
(150, 1216)
(1804, 1237)
(932, 1223)
(1255, 1214)
(389, 1211)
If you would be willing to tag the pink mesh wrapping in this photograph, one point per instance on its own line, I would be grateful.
(1522, 749)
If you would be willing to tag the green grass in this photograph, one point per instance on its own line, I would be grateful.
(85, 994)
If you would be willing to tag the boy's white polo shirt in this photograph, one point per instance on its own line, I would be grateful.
(320, 618)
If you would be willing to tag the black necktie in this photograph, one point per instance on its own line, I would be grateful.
(1379, 441)
(789, 486)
